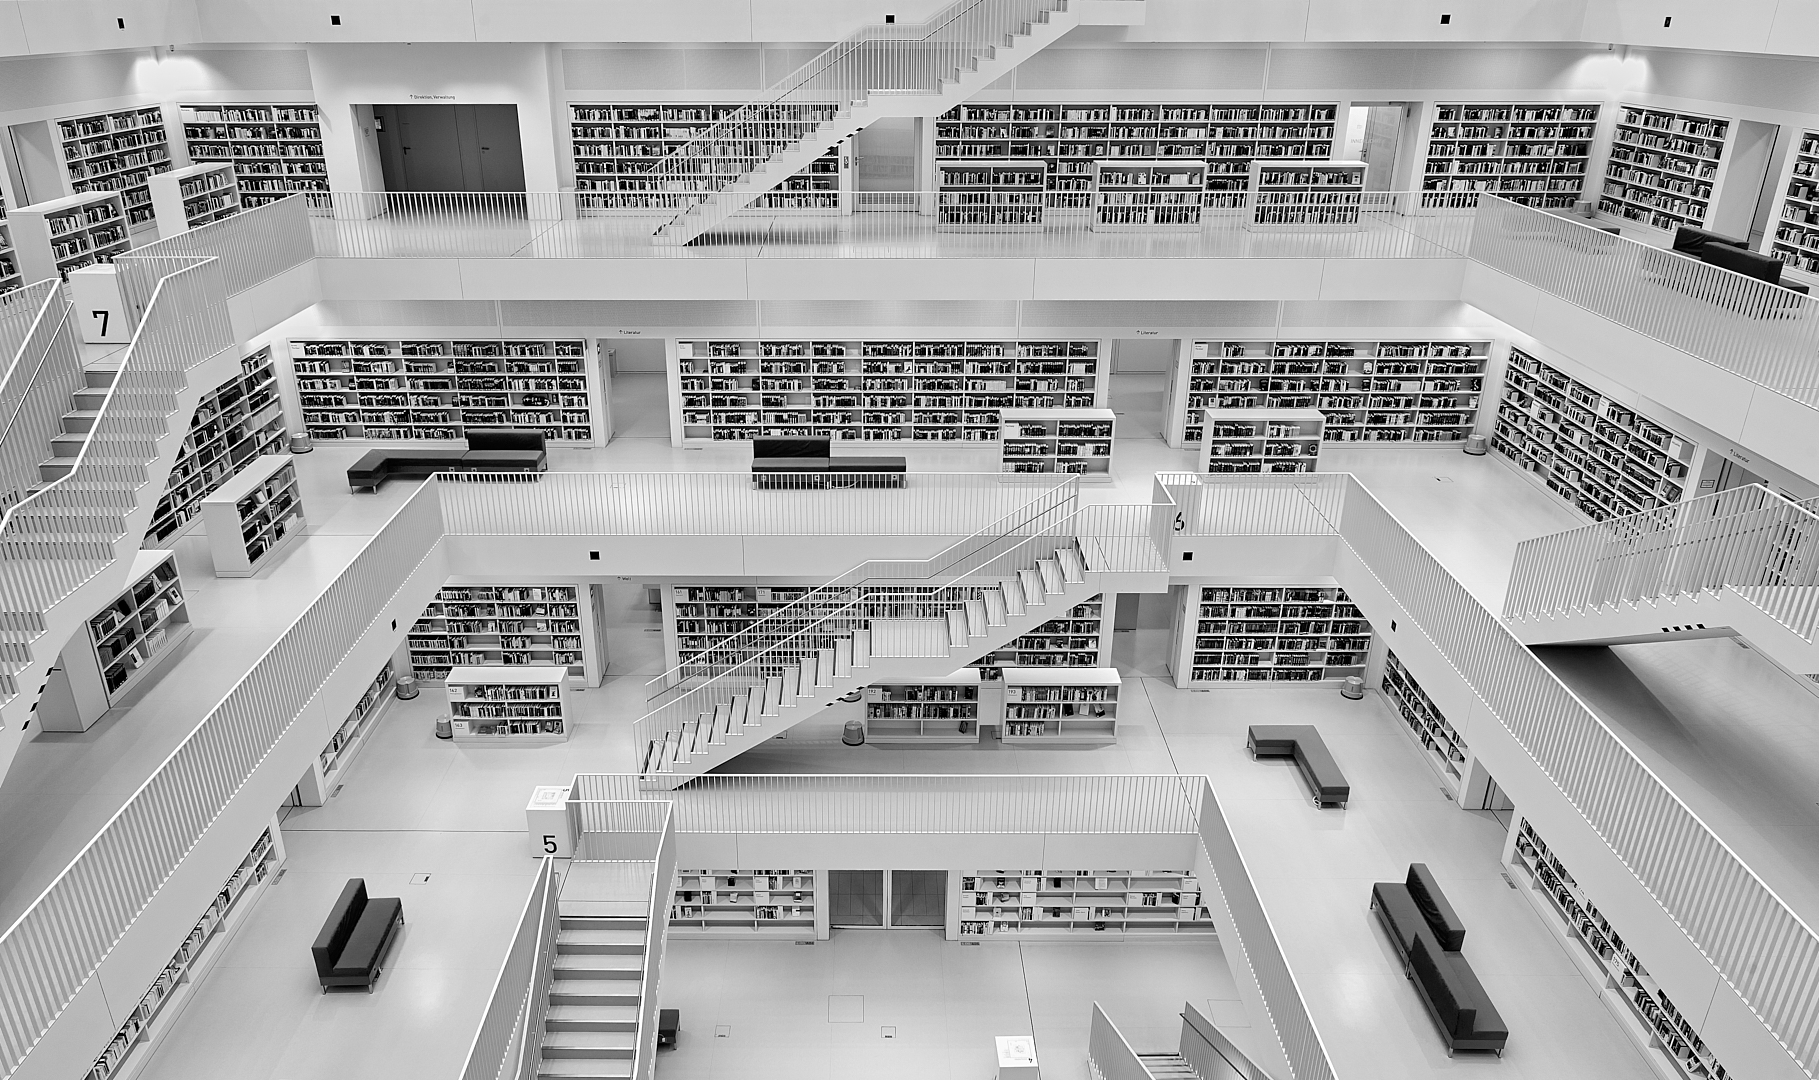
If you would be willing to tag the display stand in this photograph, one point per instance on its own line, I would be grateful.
(514, 625)
(1293, 633)
(1063, 903)
(1163, 195)
(116, 152)
(276, 150)
(127, 641)
(236, 422)
(1075, 707)
(1664, 167)
(1534, 154)
(508, 706)
(331, 764)
(1327, 196)
(187, 198)
(940, 711)
(750, 903)
(991, 195)
(253, 516)
(1445, 749)
(1261, 440)
(61, 235)
(1077, 441)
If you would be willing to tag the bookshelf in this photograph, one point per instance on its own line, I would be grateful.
(234, 423)
(1604, 458)
(1261, 440)
(1664, 166)
(1077, 441)
(512, 705)
(52, 238)
(1796, 241)
(10, 277)
(253, 515)
(275, 149)
(920, 391)
(749, 903)
(351, 735)
(930, 712)
(1075, 707)
(986, 195)
(1664, 1035)
(502, 625)
(1278, 633)
(1446, 750)
(1135, 195)
(169, 993)
(1080, 637)
(116, 152)
(390, 391)
(615, 145)
(1369, 391)
(1036, 903)
(1534, 154)
(1292, 195)
(1074, 137)
(127, 641)
(186, 198)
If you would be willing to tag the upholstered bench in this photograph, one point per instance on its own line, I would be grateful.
(1302, 742)
(1428, 934)
(350, 950)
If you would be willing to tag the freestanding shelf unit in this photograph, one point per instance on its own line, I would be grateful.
(253, 516)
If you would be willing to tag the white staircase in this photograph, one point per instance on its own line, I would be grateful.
(772, 692)
(1168, 1067)
(591, 1026)
(895, 70)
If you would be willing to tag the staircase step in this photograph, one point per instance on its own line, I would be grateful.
(995, 610)
(595, 991)
(80, 419)
(102, 375)
(597, 966)
(1034, 595)
(589, 1044)
(591, 1018)
(975, 618)
(722, 722)
(567, 923)
(956, 628)
(791, 683)
(592, 941)
(1051, 576)
(773, 695)
(808, 674)
(862, 648)
(739, 714)
(602, 1068)
(1072, 569)
(1011, 589)
(89, 400)
(843, 658)
(824, 667)
(56, 468)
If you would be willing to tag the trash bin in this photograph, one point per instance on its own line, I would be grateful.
(854, 733)
(444, 730)
(1474, 445)
(406, 688)
(300, 442)
(1353, 687)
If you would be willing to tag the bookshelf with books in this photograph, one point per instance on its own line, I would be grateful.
(616, 145)
(1061, 903)
(1796, 241)
(1074, 137)
(346, 741)
(10, 277)
(1445, 747)
(1291, 195)
(1268, 633)
(391, 391)
(234, 423)
(987, 195)
(1261, 440)
(1046, 707)
(187, 198)
(127, 641)
(1534, 154)
(1604, 458)
(116, 152)
(1664, 166)
(510, 705)
(253, 516)
(1080, 637)
(275, 149)
(1369, 391)
(750, 903)
(940, 711)
(1135, 195)
(921, 391)
(1667, 1037)
(1074, 441)
(52, 238)
(507, 625)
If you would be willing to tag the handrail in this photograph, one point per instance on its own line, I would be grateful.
(1209, 1053)
(1109, 1054)
(500, 1027)
(39, 391)
(656, 938)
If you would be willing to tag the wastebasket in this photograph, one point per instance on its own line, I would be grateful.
(854, 733)
(444, 730)
(1353, 687)
(301, 443)
(406, 688)
(1474, 445)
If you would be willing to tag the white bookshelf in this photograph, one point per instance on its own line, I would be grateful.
(508, 705)
(234, 423)
(433, 391)
(253, 516)
(1664, 166)
(749, 903)
(116, 152)
(1047, 707)
(1062, 903)
(1261, 440)
(52, 238)
(10, 276)
(1267, 633)
(616, 145)
(940, 711)
(1531, 153)
(187, 198)
(986, 195)
(346, 742)
(275, 149)
(1440, 742)
(1301, 195)
(1076, 441)
(1796, 241)
(1601, 456)
(127, 641)
(1135, 195)
(506, 624)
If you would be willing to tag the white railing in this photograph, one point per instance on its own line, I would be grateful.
(1761, 332)
(253, 247)
(1748, 540)
(656, 938)
(1209, 1053)
(1237, 504)
(505, 1031)
(44, 370)
(52, 949)
(1109, 1055)
(19, 312)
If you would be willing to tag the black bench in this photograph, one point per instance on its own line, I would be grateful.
(1428, 935)
(809, 463)
(1303, 743)
(487, 450)
(350, 950)
(669, 1021)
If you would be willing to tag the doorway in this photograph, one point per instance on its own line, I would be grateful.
(884, 164)
(449, 147)
(637, 387)
(1380, 134)
(1140, 374)
(879, 899)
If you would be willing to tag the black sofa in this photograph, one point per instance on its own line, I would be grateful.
(1303, 743)
(487, 450)
(351, 948)
(1428, 935)
(809, 463)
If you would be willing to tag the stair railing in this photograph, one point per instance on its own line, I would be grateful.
(1109, 1055)
(504, 1029)
(45, 371)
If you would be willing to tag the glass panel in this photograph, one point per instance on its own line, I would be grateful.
(855, 897)
(918, 897)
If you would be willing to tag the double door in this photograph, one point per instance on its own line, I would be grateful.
(892, 899)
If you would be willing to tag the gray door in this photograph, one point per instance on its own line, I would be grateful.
(500, 157)
(919, 898)
(855, 898)
(450, 147)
